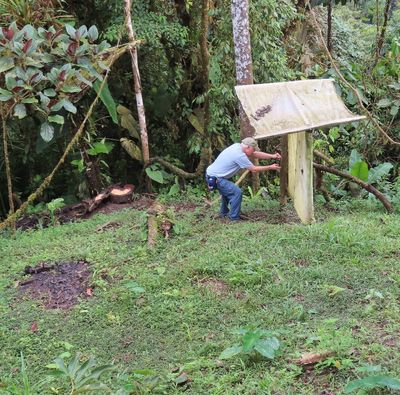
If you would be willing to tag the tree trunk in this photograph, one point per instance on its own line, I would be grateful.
(138, 89)
(92, 171)
(244, 64)
(7, 162)
(205, 60)
(381, 37)
(329, 33)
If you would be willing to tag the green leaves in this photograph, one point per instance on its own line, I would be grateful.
(231, 352)
(101, 147)
(6, 63)
(25, 80)
(20, 111)
(360, 170)
(47, 132)
(135, 288)
(253, 342)
(267, 348)
(5, 95)
(371, 382)
(107, 99)
(155, 175)
(81, 377)
(357, 167)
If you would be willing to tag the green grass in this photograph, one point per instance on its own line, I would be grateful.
(280, 277)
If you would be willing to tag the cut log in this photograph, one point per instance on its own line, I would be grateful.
(121, 195)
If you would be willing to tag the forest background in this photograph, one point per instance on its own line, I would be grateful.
(191, 109)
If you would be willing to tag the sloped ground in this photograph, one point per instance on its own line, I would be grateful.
(174, 308)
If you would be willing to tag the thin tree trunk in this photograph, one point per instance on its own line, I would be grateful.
(367, 187)
(92, 171)
(243, 59)
(7, 162)
(138, 88)
(205, 60)
(244, 64)
(329, 33)
(381, 37)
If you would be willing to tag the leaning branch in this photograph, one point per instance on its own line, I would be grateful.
(204, 160)
(367, 187)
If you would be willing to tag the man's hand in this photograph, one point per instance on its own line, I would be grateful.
(275, 166)
(277, 155)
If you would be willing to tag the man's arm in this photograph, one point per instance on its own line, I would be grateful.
(257, 169)
(264, 155)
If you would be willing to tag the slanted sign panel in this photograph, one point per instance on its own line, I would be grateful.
(288, 107)
(292, 108)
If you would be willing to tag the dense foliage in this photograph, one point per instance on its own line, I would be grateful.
(170, 63)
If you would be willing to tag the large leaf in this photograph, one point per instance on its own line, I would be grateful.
(5, 95)
(155, 175)
(128, 121)
(56, 119)
(384, 103)
(132, 149)
(249, 340)
(354, 157)
(267, 347)
(6, 63)
(47, 132)
(378, 172)
(107, 100)
(372, 382)
(20, 111)
(68, 106)
(360, 170)
(230, 352)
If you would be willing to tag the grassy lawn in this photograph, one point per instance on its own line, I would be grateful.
(331, 286)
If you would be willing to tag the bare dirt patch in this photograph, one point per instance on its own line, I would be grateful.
(58, 286)
(214, 285)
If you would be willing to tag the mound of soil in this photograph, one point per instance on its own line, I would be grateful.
(58, 286)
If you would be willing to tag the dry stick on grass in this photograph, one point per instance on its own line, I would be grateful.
(355, 91)
(359, 182)
(11, 218)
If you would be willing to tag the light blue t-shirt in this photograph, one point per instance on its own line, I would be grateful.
(229, 162)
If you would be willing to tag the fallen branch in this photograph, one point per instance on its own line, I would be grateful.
(366, 186)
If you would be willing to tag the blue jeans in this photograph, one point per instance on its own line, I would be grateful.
(231, 195)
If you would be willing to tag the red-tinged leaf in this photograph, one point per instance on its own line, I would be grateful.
(62, 75)
(17, 89)
(89, 292)
(48, 35)
(8, 33)
(27, 45)
(71, 50)
(34, 326)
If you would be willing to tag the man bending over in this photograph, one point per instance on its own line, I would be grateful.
(227, 164)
